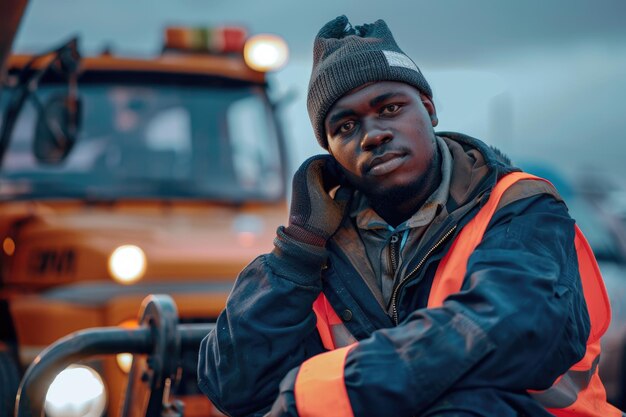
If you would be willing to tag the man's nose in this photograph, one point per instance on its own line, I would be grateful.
(374, 134)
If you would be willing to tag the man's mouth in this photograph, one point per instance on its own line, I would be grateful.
(386, 163)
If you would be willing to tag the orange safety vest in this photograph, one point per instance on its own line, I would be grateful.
(577, 393)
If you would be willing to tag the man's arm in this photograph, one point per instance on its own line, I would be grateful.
(520, 322)
(267, 328)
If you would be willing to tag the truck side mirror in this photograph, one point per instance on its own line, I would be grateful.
(56, 128)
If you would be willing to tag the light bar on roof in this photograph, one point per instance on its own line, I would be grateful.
(219, 40)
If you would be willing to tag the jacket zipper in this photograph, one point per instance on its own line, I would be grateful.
(410, 274)
(393, 253)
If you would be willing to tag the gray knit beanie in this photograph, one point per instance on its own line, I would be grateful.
(346, 57)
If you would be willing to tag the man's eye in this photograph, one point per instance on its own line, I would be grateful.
(390, 108)
(346, 127)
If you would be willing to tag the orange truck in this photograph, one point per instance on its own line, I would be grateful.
(122, 177)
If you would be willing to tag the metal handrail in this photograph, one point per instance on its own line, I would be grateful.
(192, 334)
(71, 349)
(158, 336)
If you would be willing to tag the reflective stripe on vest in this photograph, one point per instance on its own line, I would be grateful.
(320, 390)
(579, 392)
(333, 332)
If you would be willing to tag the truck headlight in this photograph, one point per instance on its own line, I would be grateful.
(127, 264)
(77, 391)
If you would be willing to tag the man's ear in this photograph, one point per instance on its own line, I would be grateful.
(430, 108)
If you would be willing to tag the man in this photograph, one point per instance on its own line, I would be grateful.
(420, 274)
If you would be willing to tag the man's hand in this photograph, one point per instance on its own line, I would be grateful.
(315, 215)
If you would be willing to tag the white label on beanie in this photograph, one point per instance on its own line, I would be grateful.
(396, 59)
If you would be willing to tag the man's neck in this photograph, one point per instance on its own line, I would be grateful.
(397, 207)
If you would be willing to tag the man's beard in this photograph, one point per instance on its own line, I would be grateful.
(391, 203)
(390, 199)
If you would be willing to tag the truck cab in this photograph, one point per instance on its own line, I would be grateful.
(128, 176)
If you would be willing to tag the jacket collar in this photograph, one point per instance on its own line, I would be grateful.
(476, 168)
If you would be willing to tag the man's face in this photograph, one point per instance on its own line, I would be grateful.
(382, 135)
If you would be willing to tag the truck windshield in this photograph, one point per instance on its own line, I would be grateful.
(153, 141)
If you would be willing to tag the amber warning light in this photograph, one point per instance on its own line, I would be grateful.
(266, 52)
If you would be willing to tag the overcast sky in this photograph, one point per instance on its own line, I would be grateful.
(541, 79)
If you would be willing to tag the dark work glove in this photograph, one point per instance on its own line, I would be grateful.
(314, 215)
(285, 403)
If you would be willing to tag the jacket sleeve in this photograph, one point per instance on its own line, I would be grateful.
(266, 329)
(519, 322)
